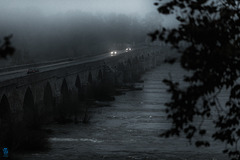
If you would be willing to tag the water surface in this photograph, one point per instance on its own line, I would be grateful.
(128, 128)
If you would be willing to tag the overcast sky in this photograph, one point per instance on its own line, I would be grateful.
(139, 7)
(135, 8)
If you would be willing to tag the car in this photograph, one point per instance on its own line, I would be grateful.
(128, 49)
(32, 70)
(113, 53)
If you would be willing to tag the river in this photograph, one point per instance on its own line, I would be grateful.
(128, 128)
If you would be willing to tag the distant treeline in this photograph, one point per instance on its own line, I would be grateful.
(38, 37)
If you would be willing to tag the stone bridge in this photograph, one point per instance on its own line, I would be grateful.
(40, 94)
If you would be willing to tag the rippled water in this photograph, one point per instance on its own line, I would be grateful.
(128, 128)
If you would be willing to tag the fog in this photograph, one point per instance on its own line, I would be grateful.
(49, 30)
(48, 7)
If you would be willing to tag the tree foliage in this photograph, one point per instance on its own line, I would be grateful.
(6, 49)
(210, 29)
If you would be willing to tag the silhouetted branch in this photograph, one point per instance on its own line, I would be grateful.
(210, 30)
(6, 49)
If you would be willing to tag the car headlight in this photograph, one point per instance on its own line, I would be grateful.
(115, 52)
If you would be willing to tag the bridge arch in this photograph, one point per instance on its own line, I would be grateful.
(5, 111)
(48, 98)
(90, 79)
(100, 75)
(78, 82)
(65, 92)
(29, 110)
(90, 87)
(129, 62)
(79, 87)
(120, 66)
(136, 60)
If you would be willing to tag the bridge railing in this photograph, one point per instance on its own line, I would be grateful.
(33, 65)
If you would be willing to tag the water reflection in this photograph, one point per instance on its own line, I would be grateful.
(74, 140)
(128, 128)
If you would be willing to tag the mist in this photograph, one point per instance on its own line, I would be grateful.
(50, 30)
(48, 7)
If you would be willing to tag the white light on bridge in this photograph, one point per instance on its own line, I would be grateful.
(113, 53)
(128, 49)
